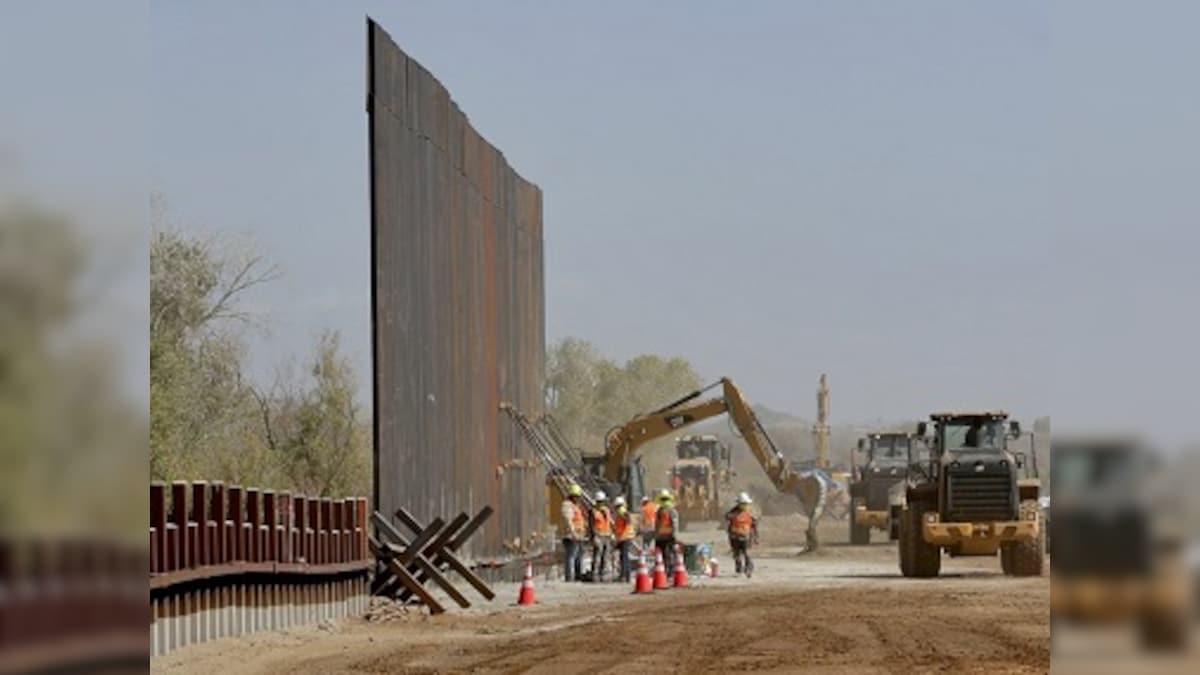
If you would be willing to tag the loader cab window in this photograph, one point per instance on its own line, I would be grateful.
(891, 451)
(974, 434)
(1082, 471)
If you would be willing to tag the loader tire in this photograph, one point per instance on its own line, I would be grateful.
(1028, 557)
(917, 558)
(860, 535)
(1006, 558)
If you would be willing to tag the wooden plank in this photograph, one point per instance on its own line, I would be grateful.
(270, 520)
(409, 582)
(469, 530)
(199, 511)
(216, 514)
(436, 545)
(447, 557)
(236, 517)
(254, 520)
(427, 547)
(179, 518)
(406, 552)
(360, 521)
(412, 554)
(158, 522)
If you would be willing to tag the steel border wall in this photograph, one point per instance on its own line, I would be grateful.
(458, 311)
(227, 561)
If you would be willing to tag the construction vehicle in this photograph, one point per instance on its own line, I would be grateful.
(968, 499)
(624, 442)
(707, 446)
(703, 466)
(888, 456)
(1120, 541)
(618, 471)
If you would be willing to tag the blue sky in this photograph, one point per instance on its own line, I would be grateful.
(941, 204)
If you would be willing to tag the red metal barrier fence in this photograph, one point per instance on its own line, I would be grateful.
(227, 560)
(209, 530)
(71, 603)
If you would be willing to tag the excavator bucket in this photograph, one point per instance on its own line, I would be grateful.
(812, 489)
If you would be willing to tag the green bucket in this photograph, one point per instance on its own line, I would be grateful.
(696, 557)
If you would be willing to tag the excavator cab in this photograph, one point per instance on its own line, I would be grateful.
(631, 483)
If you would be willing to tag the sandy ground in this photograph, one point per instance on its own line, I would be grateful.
(842, 609)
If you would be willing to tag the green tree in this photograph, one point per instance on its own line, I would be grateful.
(589, 394)
(199, 402)
(315, 430)
(207, 420)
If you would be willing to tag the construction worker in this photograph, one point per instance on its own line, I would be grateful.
(602, 536)
(742, 527)
(649, 512)
(625, 530)
(666, 524)
(574, 533)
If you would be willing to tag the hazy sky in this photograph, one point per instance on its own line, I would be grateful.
(73, 82)
(940, 204)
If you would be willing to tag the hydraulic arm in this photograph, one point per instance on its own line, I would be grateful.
(622, 444)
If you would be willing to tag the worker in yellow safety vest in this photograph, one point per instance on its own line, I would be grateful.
(625, 529)
(742, 527)
(574, 533)
(666, 524)
(649, 513)
(602, 536)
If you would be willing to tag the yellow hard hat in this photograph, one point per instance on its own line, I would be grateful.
(575, 491)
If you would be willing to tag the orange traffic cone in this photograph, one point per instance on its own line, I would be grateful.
(680, 577)
(712, 567)
(642, 583)
(660, 571)
(526, 596)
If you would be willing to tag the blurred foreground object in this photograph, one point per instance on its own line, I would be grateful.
(1120, 541)
(72, 604)
(72, 439)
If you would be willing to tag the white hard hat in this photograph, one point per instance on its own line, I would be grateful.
(600, 496)
(645, 498)
(744, 498)
(619, 501)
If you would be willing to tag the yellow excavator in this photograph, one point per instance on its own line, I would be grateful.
(618, 471)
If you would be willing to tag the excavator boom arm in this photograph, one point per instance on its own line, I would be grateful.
(623, 442)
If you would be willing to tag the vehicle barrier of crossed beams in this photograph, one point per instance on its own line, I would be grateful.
(403, 565)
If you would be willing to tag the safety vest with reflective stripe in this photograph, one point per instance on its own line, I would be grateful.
(577, 524)
(665, 525)
(601, 522)
(649, 511)
(623, 526)
(741, 523)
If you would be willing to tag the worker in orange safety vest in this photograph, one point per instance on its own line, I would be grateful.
(742, 527)
(624, 529)
(574, 533)
(648, 515)
(666, 524)
(602, 536)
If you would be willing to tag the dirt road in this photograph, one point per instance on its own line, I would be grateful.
(843, 609)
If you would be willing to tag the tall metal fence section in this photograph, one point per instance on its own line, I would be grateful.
(458, 309)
